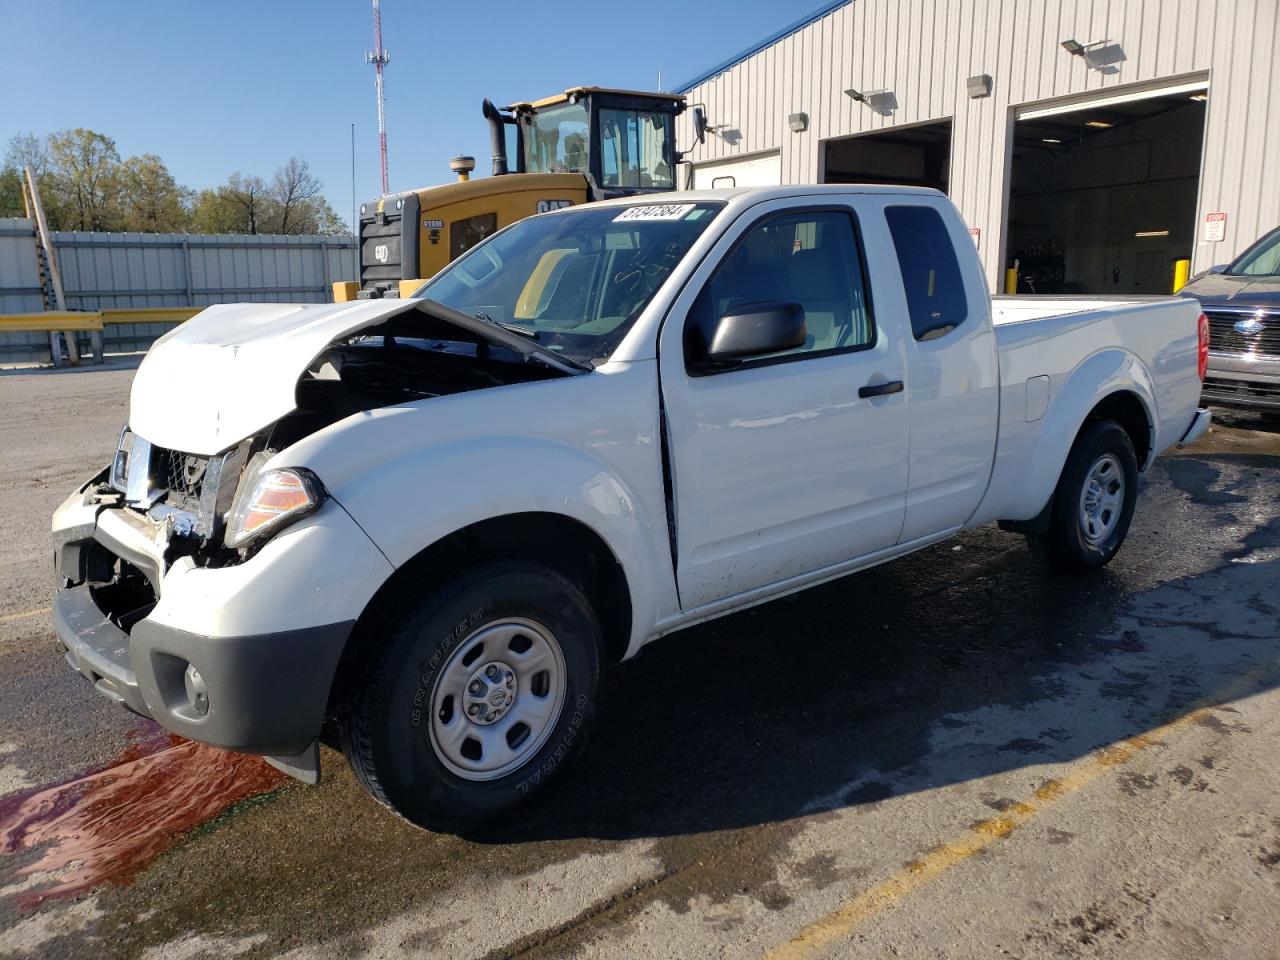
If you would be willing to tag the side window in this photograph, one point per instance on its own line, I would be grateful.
(633, 149)
(465, 234)
(809, 258)
(930, 273)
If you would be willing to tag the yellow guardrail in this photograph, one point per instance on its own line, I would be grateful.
(52, 321)
(149, 314)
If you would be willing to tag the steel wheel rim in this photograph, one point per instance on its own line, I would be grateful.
(484, 725)
(1102, 499)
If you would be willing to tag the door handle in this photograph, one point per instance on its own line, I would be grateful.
(880, 389)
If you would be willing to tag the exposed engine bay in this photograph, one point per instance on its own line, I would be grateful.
(400, 361)
(183, 499)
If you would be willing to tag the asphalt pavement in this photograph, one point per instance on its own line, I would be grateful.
(958, 754)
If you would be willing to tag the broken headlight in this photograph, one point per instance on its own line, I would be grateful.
(269, 500)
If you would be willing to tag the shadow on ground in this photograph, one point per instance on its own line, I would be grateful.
(847, 694)
(946, 667)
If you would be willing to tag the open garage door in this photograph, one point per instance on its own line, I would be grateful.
(1102, 198)
(918, 156)
(761, 170)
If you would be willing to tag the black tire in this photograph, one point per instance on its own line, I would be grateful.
(385, 706)
(1067, 544)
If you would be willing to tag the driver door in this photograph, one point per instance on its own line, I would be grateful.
(779, 467)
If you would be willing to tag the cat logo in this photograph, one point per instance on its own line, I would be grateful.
(546, 206)
(380, 253)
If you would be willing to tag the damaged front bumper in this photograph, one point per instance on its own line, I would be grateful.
(242, 656)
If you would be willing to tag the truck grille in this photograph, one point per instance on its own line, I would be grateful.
(1224, 338)
(182, 474)
(1261, 394)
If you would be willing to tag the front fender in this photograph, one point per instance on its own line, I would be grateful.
(412, 475)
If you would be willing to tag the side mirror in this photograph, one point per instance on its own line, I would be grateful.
(754, 330)
(700, 124)
(1218, 268)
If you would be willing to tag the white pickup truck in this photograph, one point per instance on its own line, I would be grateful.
(425, 524)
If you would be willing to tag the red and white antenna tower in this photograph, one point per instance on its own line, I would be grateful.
(380, 58)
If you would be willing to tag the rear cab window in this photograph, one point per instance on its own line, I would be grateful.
(931, 274)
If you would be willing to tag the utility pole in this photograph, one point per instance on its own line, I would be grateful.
(380, 58)
(355, 220)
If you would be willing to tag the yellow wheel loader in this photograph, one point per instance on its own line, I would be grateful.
(588, 143)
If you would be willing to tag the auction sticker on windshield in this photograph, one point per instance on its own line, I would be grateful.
(655, 211)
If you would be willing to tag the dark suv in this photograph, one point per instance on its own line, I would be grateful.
(1242, 302)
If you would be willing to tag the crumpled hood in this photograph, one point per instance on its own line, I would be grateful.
(233, 369)
(1238, 291)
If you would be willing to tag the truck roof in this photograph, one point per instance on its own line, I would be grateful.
(757, 194)
(574, 91)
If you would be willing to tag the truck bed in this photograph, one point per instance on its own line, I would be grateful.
(1045, 345)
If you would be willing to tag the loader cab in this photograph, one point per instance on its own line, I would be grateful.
(588, 143)
(623, 141)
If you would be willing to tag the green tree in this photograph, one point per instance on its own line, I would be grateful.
(11, 204)
(213, 212)
(84, 176)
(150, 199)
(23, 150)
(324, 220)
(241, 205)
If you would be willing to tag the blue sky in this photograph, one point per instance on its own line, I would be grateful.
(220, 86)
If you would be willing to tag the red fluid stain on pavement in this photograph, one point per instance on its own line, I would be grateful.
(110, 821)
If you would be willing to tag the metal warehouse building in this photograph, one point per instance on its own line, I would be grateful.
(1094, 142)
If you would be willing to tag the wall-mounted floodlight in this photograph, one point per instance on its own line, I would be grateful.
(1102, 55)
(798, 122)
(979, 86)
(883, 102)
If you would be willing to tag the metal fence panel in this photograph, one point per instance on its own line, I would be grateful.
(106, 270)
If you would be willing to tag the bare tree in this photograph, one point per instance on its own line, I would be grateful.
(27, 150)
(292, 189)
(249, 196)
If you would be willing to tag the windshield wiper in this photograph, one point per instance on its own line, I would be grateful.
(513, 327)
(535, 336)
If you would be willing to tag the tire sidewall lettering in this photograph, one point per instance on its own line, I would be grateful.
(427, 676)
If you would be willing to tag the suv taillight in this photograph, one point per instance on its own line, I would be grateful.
(1202, 347)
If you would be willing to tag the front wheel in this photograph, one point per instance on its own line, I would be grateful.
(1093, 503)
(476, 697)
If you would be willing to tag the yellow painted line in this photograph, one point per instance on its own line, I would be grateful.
(8, 618)
(816, 938)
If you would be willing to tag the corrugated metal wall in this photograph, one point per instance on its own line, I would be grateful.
(105, 270)
(923, 50)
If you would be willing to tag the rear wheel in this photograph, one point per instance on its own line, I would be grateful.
(477, 697)
(1093, 503)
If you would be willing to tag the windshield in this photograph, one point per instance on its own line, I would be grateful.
(555, 139)
(1260, 260)
(575, 281)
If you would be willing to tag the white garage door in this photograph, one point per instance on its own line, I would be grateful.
(759, 171)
